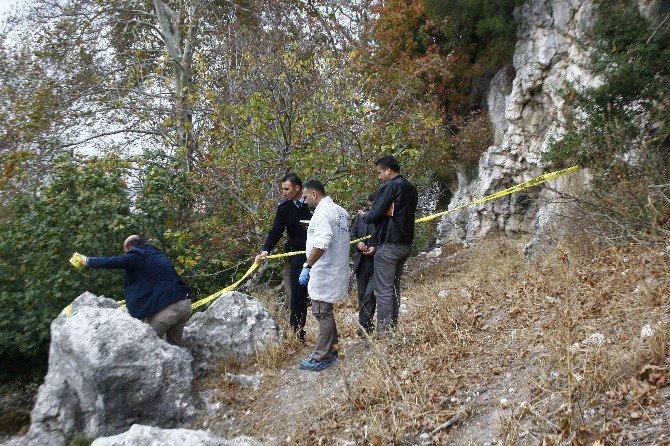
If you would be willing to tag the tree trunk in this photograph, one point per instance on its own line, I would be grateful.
(180, 47)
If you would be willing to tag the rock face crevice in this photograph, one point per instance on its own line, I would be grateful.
(550, 57)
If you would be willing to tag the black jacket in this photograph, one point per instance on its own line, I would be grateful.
(151, 281)
(288, 217)
(398, 228)
(360, 229)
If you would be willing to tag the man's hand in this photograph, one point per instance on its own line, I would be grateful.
(362, 246)
(260, 257)
(304, 276)
(370, 251)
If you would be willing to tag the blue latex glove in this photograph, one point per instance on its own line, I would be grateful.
(304, 276)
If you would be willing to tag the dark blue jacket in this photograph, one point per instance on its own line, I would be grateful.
(151, 281)
(288, 217)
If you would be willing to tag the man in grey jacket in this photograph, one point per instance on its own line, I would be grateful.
(394, 212)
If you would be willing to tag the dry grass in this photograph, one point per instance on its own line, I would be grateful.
(485, 352)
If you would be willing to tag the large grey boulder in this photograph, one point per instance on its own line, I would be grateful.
(87, 299)
(108, 371)
(236, 326)
(139, 435)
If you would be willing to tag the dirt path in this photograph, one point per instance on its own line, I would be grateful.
(288, 398)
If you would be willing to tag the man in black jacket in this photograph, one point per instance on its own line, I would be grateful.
(393, 211)
(364, 252)
(290, 211)
(154, 290)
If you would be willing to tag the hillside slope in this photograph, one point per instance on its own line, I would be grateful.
(490, 350)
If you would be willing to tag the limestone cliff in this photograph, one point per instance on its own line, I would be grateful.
(528, 109)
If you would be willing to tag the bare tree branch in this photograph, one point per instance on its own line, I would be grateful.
(110, 133)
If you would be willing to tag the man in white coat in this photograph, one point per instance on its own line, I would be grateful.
(326, 271)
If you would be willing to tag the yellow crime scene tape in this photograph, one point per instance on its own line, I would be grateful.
(533, 182)
(211, 297)
(537, 180)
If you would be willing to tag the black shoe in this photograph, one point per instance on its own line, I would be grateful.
(301, 335)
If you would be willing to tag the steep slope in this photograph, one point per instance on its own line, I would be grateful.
(490, 349)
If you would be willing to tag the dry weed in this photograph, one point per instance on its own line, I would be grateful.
(483, 323)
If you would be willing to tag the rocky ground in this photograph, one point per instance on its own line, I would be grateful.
(16, 401)
(491, 350)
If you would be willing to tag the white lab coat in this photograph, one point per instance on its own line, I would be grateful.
(329, 230)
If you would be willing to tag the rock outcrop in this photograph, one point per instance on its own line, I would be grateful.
(549, 57)
(108, 371)
(139, 435)
(235, 326)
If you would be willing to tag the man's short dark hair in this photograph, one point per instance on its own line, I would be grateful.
(388, 162)
(293, 178)
(315, 185)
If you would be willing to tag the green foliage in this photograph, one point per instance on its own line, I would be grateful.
(262, 93)
(620, 127)
(85, 208)
(486, 27)
(172, 213)
(632, 60)
(81, 440)
(437, 61)
(304, 112)
(165, 197)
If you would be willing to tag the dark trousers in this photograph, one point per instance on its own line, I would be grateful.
(298, 305)
(390, 259)
(366, 293)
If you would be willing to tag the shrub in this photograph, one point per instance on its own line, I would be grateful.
(620, 127)
(84, 207)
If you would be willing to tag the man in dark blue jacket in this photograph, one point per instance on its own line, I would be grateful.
(290, 211)
(393, 211)
(154, 290)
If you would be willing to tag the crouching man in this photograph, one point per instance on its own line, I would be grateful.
(154, 290)
(326, 272)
